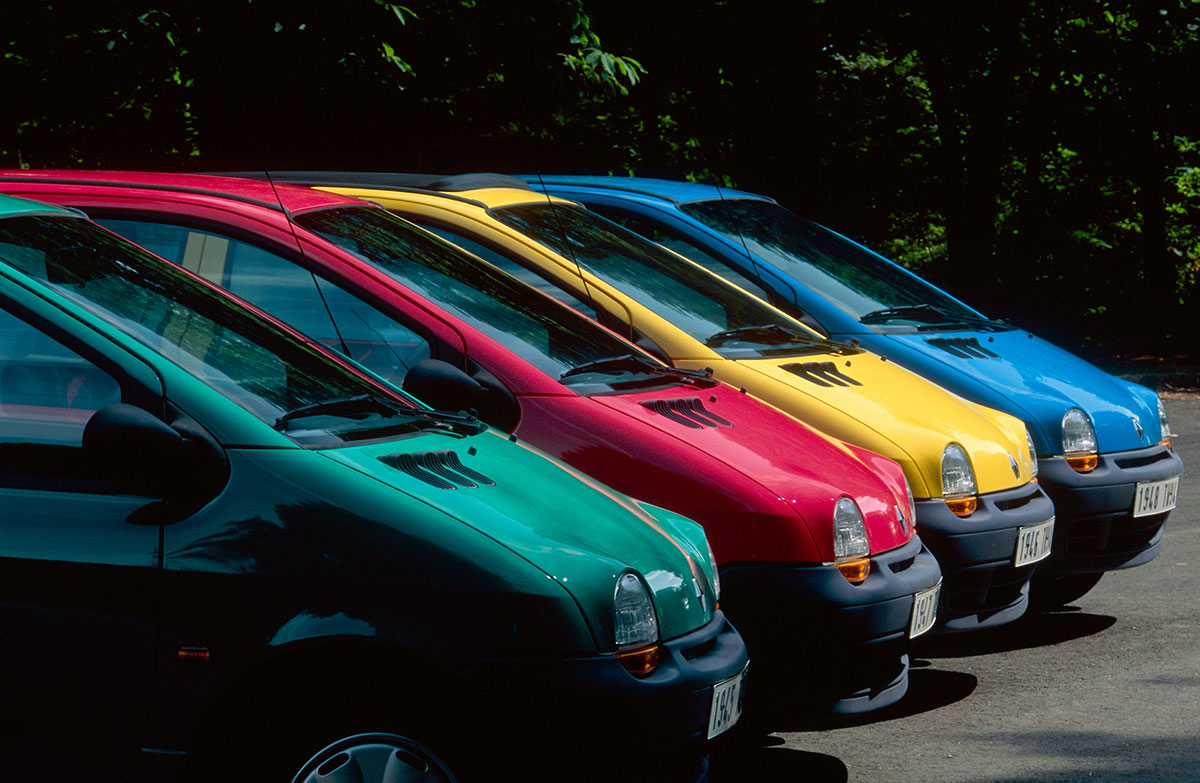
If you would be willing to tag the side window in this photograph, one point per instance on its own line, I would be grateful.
(320, 309)
(47, 394)
(672, 240)
(525, 275)
(372, 338)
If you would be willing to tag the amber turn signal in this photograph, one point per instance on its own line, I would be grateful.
(1083, 463)
(962, 507)
(855, 571)
(194, 654)
(640, 663)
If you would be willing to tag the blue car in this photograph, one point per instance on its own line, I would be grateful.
(1103, 443)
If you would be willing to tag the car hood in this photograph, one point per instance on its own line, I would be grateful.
(797, 467)
(1036, 380)
(878, 405)
(577, 531)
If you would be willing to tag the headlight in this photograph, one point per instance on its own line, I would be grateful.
(1032, 452)
(912, 504)
(1162, 422)
(636, 623)
(716, 575)
(958, 480)
(1079, 441)
(849, 530)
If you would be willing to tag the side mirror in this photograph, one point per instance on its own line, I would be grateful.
(445, 387)
(146, 456)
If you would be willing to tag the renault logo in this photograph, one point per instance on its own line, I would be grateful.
(903, 521)
(1137, 425)
(1013, 464)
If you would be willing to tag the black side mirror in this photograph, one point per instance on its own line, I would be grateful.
(146, 456)
(445, 387)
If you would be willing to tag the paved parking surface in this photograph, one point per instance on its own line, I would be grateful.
(1108, 690)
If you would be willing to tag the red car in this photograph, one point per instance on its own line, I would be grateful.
(821, 568)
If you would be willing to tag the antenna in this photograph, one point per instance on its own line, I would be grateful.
(587, 292)
(300, 248)
(742, 240)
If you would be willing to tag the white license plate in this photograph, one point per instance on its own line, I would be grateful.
(1155, 497)
(726, 704)
(924, 612)
(1033, 543)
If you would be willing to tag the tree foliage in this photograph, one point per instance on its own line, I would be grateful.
(1041, 160)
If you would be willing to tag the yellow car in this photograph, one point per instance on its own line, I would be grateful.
(980, 509)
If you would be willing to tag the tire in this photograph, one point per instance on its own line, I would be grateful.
(1057, 591)
(375, 758)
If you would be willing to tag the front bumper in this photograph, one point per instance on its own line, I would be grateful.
(839, 647)
(982, 588)
(1095, 528)
(584, 712)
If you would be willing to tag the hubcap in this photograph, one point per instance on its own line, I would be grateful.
(375, 758)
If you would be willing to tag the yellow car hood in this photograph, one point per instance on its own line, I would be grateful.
(891, 411)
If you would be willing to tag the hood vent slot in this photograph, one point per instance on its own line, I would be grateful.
(821, 373)
(441, 469)
(963, 347)
(688, 411)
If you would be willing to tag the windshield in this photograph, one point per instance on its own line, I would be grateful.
(257, 364)
(871, 289)
(552, 337)
(709, 309)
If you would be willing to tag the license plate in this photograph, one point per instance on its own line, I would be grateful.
(1033, 543)
(1155, 497)
(726, 704)
(924, 611)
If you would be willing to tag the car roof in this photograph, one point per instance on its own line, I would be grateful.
(12, 205)
(259, 193)
(668, 190)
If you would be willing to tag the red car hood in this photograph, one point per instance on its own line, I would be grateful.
(805, 469)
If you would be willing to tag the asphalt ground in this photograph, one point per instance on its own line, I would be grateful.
(1106, 690)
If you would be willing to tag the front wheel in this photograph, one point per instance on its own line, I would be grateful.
(1057, 591)
(375, 758)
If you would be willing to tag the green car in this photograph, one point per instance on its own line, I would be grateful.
(227, 554)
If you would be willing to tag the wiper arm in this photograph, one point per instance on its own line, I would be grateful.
(370, 403)
(768, 334)
(340, 406)
(926, 313)
(631, 361)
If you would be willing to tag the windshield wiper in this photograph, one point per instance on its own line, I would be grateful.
(928, 314)
(632, 361)
(767, 334)
(349, 407)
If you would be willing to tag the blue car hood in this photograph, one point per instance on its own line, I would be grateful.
(1032, 379)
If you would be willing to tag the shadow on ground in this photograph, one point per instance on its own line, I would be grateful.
(759, 758)
(1038, 629)
(928, 689)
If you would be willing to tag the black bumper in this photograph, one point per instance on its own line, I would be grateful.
(590, 711)
(831, 645)
(1095, 529)
(981, 587)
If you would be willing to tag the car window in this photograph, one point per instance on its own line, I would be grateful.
(854, 279)
(494, 256)
(711, 310)
(315, 306)
(656, 232)
(248, 359)
(552, 338)
(47, 391)
(47, 394)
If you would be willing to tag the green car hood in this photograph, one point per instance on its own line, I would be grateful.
(576, 530)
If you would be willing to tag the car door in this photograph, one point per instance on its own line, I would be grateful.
(79, 573)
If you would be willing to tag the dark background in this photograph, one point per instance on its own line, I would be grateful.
(1041, 160)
